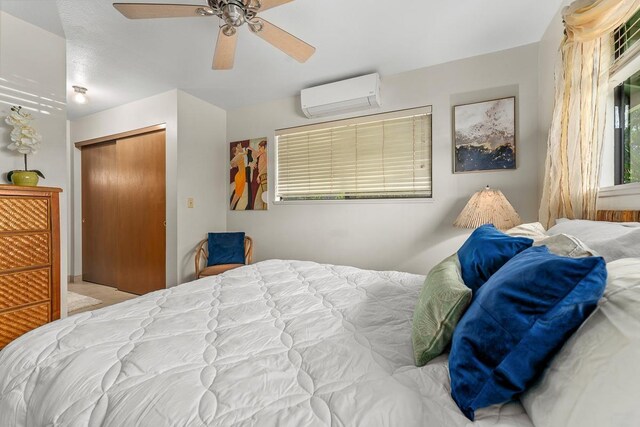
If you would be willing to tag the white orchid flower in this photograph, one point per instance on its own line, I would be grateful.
(24, 138)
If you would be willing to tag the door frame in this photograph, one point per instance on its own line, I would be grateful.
(121, 135)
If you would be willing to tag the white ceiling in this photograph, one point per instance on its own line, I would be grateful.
(43, 13)
(121, 60)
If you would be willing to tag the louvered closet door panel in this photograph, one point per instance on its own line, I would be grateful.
(99, 220)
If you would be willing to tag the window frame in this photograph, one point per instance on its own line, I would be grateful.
(618, 135)
(426, 109)
(622, 68)
(612, 185)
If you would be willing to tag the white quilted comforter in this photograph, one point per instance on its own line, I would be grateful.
(277, 343)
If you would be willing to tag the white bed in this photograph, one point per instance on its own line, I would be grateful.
(275, 343)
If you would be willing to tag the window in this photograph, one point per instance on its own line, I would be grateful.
(627, 104)
(385, 156)
(627, 130)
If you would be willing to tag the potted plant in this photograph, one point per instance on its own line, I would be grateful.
(24, 140)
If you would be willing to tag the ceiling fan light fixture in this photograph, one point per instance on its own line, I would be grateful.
(205, 11)
(80, 96)
(228, 30)
(253, 4)
(256, 25)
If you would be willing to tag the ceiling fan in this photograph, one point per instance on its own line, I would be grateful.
(234, 14)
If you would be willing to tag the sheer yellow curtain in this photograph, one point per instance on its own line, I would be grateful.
(574, 147)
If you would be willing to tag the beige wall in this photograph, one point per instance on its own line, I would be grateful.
(548, 55)
(201, 174)
(33, 75)
(406, 236)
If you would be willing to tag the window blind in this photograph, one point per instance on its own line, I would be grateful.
(374, 157)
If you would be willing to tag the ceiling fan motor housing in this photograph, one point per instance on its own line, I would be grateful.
(234, 12)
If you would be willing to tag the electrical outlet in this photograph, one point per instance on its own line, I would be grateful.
(190, 203)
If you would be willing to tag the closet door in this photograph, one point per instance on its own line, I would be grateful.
(141, 213)
(99, 214)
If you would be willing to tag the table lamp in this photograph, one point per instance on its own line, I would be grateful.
(488, 206)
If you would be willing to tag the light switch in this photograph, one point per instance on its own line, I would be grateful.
(190, 203)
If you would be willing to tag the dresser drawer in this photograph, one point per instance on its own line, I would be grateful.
(24, 214)
(24, 250)
(16, 323)
(24, 288)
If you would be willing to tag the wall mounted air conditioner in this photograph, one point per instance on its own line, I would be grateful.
(360, 93)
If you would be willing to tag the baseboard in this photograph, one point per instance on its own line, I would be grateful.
(75, 279)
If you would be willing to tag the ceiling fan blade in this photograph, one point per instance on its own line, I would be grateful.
(289, 44)
(225, 51)
(270, 4)
(160, 10)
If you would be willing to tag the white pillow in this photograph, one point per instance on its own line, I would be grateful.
(610, 239)
(595, 378)
(559, 244)
(533, 230)
(594, 230)
(564, 245)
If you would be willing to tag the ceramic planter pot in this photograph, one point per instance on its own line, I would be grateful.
(25, 178)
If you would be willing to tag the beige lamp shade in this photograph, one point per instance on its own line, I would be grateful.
(488, 207)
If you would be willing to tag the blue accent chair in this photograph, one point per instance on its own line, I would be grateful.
(206, 259)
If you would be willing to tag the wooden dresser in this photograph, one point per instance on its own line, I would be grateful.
(29, 259)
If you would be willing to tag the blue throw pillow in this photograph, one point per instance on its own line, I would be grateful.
(226, 248)
(519, 319)
(485, 251)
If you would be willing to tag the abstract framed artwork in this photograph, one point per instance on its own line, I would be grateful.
(249, 175)
(485, 136)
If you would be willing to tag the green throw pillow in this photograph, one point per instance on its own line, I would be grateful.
(442, 302)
